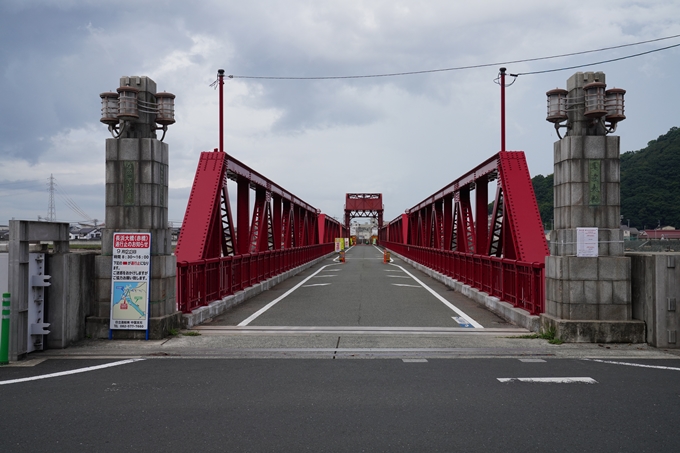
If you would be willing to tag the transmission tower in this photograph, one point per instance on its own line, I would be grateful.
(51, 210)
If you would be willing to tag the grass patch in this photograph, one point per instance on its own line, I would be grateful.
(547, 334)
(173, 332)
(191, 333)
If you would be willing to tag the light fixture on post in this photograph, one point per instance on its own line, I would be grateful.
(614, 106)
(557, 109)
(120, 110)
(594, 100)
(110, 110)
(165, 115)
(589, 109)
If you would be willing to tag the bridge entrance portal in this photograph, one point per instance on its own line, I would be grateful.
(363, 205)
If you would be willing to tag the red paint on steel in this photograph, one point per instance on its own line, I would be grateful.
(200, 236)
(220, 77)
(202, 282)
(215, 259)
(358, 205)
(502, 109)
(508, 253)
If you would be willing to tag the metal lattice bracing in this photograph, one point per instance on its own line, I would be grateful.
(513, 231)
(279, 219)
(363, 205)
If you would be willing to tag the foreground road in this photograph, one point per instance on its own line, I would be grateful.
(258, 405)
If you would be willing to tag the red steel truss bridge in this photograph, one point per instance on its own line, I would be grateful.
(450, 231)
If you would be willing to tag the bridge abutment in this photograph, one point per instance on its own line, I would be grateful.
(137, 169)
(588, 286)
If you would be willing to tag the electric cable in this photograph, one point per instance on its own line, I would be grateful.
(460, 68)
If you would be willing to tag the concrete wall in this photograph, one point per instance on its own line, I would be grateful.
(656, 293)
(4, 272)
(70, 298)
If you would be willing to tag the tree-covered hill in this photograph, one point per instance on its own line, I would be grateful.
(650, 185)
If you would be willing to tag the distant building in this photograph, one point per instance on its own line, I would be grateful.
(661, 234)
(85, 234)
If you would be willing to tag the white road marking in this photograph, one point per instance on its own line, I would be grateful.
(532, 360)
(316, 284)
(391, 270)
(552, 380)
(658, 367)
(442, 300)
(66, 373)
(414, 360)
(404, 284)
(257, 314)
(330, 275)
(398, 276)
(333, 270)
(461, 322)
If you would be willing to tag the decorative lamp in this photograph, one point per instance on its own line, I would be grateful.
(594, 100)
(165, 115)
(557, 105)
(614, 105)
(109, 108)
(127, 104)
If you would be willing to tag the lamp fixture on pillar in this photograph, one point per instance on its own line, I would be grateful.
(557, 108)
(121, 109)
(599, 108)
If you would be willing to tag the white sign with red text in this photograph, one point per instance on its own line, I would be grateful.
(130, 278)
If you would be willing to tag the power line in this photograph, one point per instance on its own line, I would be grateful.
(599, 62)
(460, 68)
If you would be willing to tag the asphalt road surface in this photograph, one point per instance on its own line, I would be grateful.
(294, 405)
(360, 356)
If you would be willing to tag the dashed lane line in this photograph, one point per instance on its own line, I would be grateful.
(442, 300)
(262, 310)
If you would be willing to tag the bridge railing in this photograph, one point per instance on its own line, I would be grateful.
(202, 282)
(516, 282)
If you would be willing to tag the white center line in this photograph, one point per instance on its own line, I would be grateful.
(398, 276)
(404, 284)
(320, 276)
(316, 284)
(66, 373)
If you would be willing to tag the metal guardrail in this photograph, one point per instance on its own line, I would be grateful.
(201, 282)
(518, 283)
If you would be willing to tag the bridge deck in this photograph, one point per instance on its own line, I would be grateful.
(363, 294)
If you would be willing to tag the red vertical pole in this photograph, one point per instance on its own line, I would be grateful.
(276, 222)
(502, 109)
(243, 215)
(220, 77)
(481, 208)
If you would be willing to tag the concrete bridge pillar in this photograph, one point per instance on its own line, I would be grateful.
(137, 169)
(588, 288)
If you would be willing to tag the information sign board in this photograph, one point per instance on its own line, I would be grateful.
(586, 242)
(130, 276)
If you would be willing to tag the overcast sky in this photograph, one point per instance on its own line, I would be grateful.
(405, 137)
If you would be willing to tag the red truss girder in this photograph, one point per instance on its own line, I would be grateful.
(445, 220)
(360, 205)
(279, 219)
